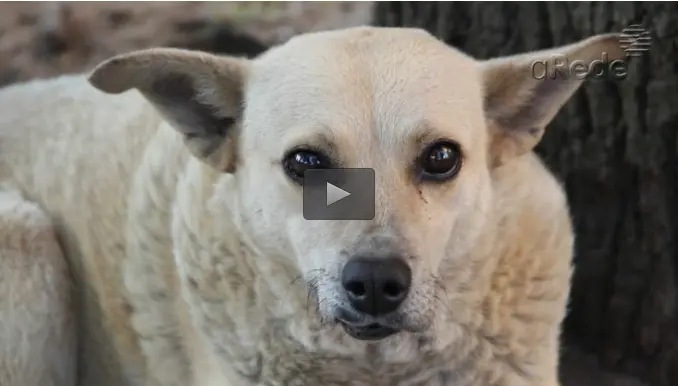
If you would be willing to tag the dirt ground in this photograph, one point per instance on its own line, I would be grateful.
(39, 39)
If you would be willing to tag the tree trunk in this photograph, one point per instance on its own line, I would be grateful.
(615, 147)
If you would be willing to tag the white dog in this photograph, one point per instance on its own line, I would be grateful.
(176, 267)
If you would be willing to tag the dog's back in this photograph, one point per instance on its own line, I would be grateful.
(73, 151)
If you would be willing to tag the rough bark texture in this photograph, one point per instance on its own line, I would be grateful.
(615, 147)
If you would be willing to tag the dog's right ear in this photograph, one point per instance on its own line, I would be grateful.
(199, 94)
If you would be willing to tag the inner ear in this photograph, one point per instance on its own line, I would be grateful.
(199, 117)
(207, 124)
(519, 105)
(200, 95)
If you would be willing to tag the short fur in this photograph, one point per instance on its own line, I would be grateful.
(185, 242)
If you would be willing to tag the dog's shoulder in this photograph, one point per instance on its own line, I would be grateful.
(527, 182)
(533, 248)
(38, 334)
(79, 153)
(534, 231)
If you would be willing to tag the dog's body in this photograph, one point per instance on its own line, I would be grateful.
(189, 259)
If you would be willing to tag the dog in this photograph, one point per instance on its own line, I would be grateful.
(153, 232)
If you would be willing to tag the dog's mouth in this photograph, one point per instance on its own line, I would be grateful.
(362, 327)
(371, 331)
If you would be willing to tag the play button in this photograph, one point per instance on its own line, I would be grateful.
(339, 194)
(335, 194)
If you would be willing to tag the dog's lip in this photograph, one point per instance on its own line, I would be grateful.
(364, 327)
(350, 317)
(371, 331)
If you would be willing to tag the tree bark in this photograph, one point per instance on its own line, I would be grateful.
(615, 147)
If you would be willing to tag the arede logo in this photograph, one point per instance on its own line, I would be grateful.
(634, 40)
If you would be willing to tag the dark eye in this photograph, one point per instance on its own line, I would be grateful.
(297, 162)
(440, 161)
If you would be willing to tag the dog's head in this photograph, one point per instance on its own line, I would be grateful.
(430, 121)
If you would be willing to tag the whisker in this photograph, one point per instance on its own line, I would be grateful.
(309, 280)
(311, 291)
(296, 279)
(440, 284)
(309, 273)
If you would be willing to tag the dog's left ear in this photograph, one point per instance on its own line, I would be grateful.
(199, 94)
(523, 93)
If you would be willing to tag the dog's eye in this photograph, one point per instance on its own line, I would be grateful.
(440, 161)
(297, 162)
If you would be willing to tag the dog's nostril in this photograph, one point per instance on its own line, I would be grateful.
(393, 289)
(356, 288)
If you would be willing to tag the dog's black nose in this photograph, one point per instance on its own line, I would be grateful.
(376, 286)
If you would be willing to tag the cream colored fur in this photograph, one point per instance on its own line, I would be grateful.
(190, 262)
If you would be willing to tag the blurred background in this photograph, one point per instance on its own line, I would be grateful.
(48, 38)
(614, 145)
